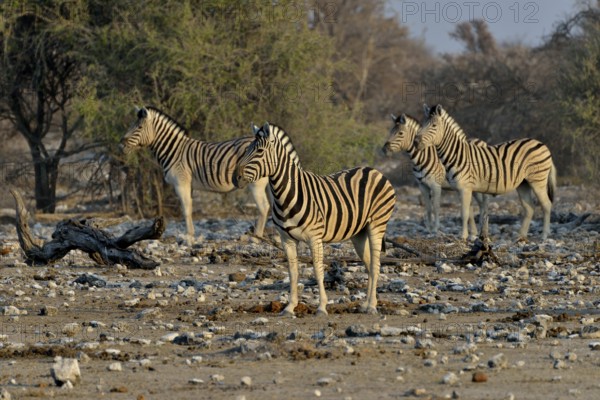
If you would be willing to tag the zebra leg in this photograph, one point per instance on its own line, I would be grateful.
(472, 226)
(261, 198)
(483, 200)
(290, 247)
(362, 248)
(526, 198)
(375, 241)
(465, 203)
(183, 188)
(426, 193)
(316, 249)
(436, 194)
(542, 196)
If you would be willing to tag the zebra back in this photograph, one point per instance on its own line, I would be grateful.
(489, 169)
(306, 205)
(211, 163)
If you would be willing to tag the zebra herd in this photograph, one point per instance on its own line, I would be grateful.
(353, 204)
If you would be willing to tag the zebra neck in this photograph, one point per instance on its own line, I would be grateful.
(167, 140)
(452, 146)
(283, 181)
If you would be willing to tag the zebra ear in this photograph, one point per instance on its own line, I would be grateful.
(393, 117)
(438, 109)
(137, 109)
(426, 109)
(255, 128)
(402, 119)
(142, 113)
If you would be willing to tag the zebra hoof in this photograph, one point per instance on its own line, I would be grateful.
(366, 309)
(287, 313)
(321, 313)
(521, 240)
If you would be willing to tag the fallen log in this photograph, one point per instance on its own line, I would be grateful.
(84, 234)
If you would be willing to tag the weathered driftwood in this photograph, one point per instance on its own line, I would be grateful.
(83, 234)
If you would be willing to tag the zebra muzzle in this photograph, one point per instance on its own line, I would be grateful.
(387, 149)
(238, 179)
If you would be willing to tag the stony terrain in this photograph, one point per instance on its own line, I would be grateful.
(205, 324)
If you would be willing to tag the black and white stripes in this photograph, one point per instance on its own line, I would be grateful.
(352, 204)
(427, 169)
(183, 159)
(523, 164)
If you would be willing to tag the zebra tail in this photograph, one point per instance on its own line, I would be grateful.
(552, 182)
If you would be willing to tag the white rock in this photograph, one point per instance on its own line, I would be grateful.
(498, 361)
(246, 381)
(450, 378)
(116, 367)
(65, 370)
(325, 381)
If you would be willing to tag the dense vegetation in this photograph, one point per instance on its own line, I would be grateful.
(330, 72)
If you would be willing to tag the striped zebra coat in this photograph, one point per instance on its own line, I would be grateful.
(353, 204)
(183, 158)
(523, 164)
(427, 169)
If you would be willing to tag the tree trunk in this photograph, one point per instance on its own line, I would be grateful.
(46, 174)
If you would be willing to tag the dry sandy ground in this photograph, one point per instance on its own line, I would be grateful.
(193, 330)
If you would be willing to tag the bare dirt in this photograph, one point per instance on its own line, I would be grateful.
(206, 324)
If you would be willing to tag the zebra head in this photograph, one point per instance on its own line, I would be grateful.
(259, 160)
(140, 134)
(431, 132)
(401, 135)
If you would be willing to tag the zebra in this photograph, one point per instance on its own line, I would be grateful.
(183, 158)
(353, 204)
(427, 169)
(522, 164)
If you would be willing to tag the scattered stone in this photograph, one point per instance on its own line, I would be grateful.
(65, 370)
(417, 392)
(115, 367)
(71, 329)
(325, 381)
(391, 331)
(357, 330)
(590, 332)
(149, 313)
(10, 310)
(450, 379)
(570, 356)
(90, 280)
(559, 364)
(217, 378)
(260, 321)
(237, 277)
(196, 381)
(594, 346)
(246, 381)
(424, 344)
(498, 361)
(48, 311)
(479, 377)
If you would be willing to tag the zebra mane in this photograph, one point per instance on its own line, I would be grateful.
(170, 120)
(286, 142)
(412, 121)
(450, 122)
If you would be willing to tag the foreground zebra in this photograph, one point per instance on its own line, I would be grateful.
(183, 158)
(522, 164)
(353, 204)
(427, 169)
